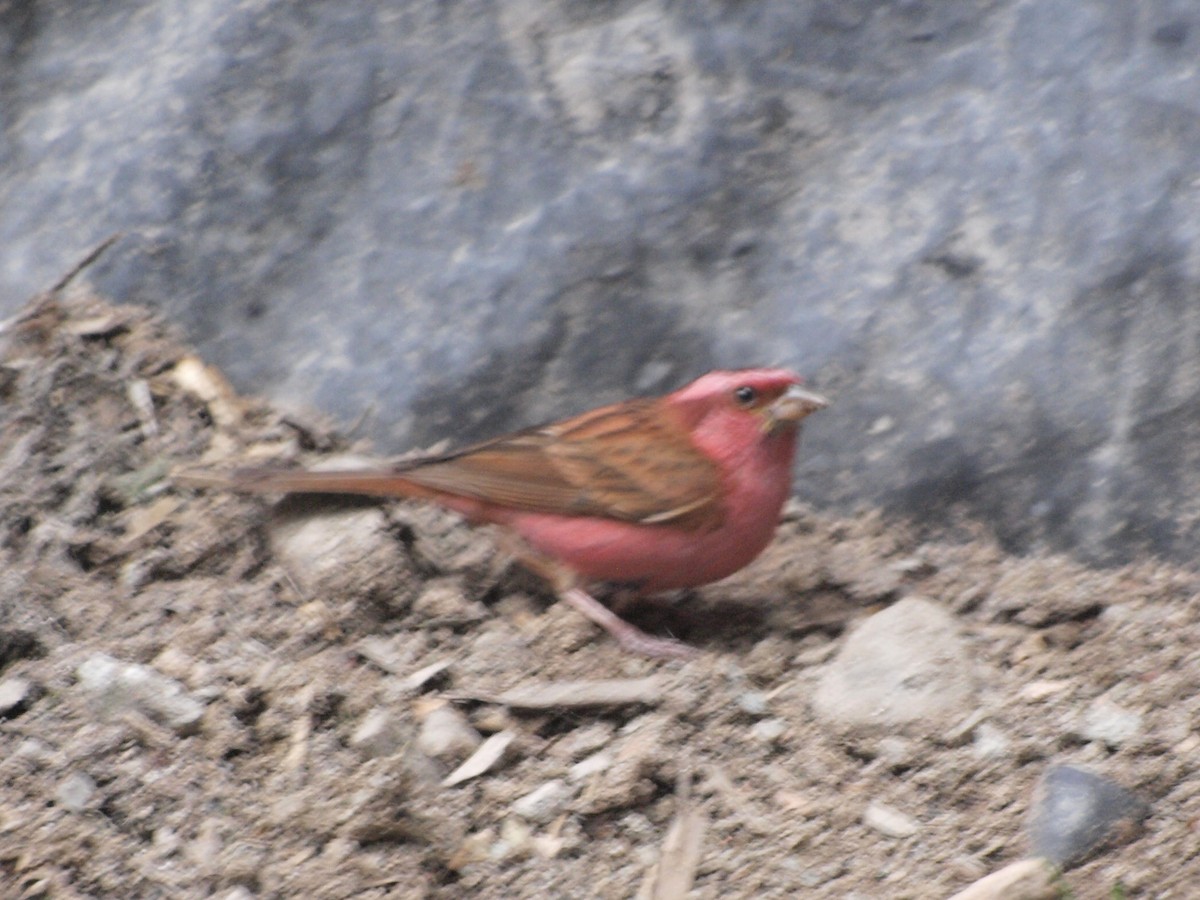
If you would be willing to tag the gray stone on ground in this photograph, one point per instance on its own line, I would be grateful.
(1076, 812)
(75, 791)
(120, 686)
(544, 802)
(906, 667)
(381, 733)
(447, 734)
(15, 696)
(1108, 723)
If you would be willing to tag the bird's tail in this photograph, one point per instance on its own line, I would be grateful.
(266, 480)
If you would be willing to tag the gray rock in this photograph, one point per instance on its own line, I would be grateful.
(15, 696)
(990, 742)
(379, 734)
(1075, 813)
(337, 551)
(545, 802)
(1108, 723)
(75, 791)
(768, 730)
(450, 215)
(904, 668)
(889, 821)
(446, 734)
(119, 686)
(753, 703)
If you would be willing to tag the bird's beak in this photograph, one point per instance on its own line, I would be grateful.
(793, 405)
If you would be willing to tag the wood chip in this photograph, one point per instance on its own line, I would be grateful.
(140, 398)
(672, 877)
(576, 694)
(490, 753)
(141, 520)
(385, 653)
(207, 383)
(1040, 690)
(104, 325)
(421, 677)
(1027, 879)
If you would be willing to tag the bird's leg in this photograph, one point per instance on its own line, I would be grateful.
(566, 585)
(629, 636)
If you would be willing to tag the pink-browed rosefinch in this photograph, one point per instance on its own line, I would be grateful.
(657, 493)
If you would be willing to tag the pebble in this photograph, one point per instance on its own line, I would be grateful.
(444, 600)
(753, 703)
(379, 734)
(15, 696)
(990, 742)
(344, 551)
(1108, 723)
(768, 730)
(586, 740)
(906, 666)
(447, 734)
(1076, 812)
(896, 753)
(544, 803)
(592, 765)
(121, 687)
(889, 821)
(75, 791)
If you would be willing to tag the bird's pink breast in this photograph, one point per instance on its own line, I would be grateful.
(663, 557)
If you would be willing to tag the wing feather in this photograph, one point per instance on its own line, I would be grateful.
(630, 462)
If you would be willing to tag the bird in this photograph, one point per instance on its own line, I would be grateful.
(651, 493)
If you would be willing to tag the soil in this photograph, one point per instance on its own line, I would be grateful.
(345, 659)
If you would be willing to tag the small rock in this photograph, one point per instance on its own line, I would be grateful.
(896, 753)
(379, 734)
(768, 730)
(15, 696)
(593, 764)
(443, 600)
(644, 747)
(544, 803)
(120, 687)
(516, 840)
(1040, 690)
(889, 821)
(904, 666)
(446, 734)
(75, 792)
(341, 552)
(585, 740)
(1076, 812)
(990, 742)
(1108, 723)
(753, 703)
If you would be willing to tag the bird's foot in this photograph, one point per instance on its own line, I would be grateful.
(631, 638)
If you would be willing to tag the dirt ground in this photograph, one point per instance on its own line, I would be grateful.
(313, 680)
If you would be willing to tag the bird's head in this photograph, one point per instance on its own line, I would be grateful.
(773, 400)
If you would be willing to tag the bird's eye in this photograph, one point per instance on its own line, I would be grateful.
(745, 395)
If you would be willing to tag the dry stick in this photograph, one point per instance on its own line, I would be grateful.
(92, 255)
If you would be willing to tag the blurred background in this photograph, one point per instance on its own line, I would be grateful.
(974, 225)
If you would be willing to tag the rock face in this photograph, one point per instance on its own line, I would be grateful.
(975, 225)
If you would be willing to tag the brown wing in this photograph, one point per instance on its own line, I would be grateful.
(627, 462)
